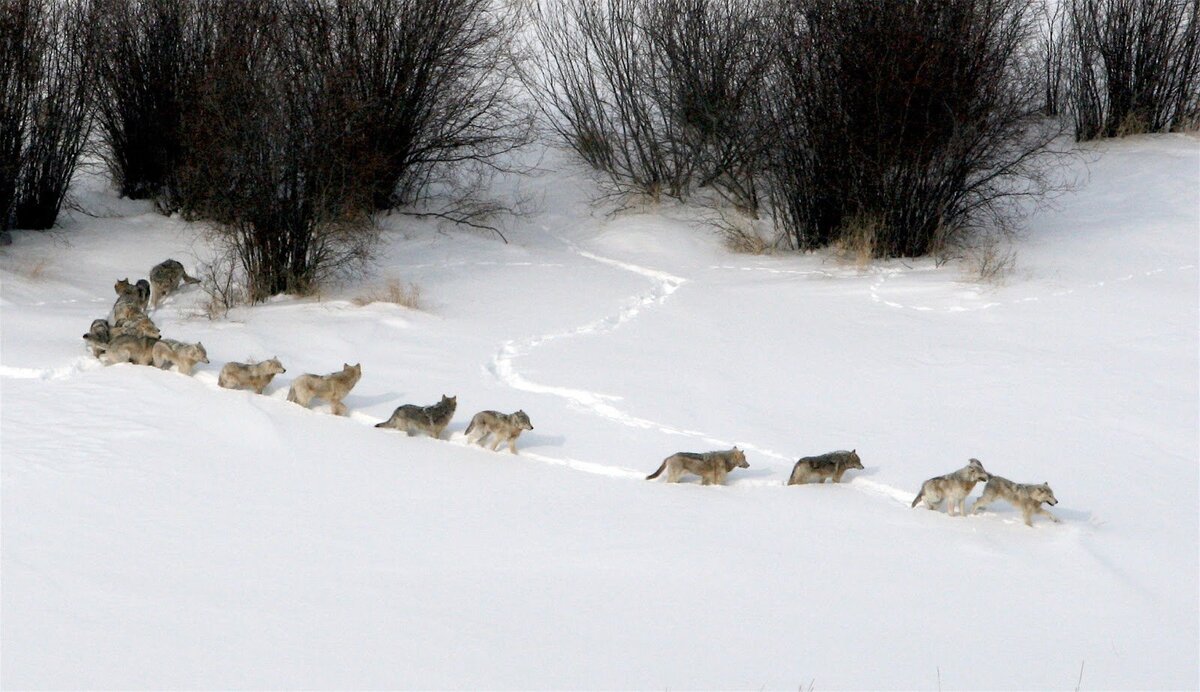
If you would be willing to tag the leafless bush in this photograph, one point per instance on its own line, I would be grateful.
(1135, 66)
(1052, 49)
(223, 283)
(45, 118)
(922, 116)
(658, 94)
(271, 160)
(150, 55)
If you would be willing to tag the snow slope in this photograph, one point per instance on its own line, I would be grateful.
(161, 532)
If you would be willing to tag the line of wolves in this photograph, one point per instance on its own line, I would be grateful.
(132, 337)
(128, 335)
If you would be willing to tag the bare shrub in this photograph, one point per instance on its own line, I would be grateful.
(223, 283)
(393, 291)
(659, 95)
(923, 116)
(270, 159)
(1134, 66)
(45, 119)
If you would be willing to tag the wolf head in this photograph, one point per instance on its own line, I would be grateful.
(522, 420)
(448, 402)
(853, 462)
(1043, 493)
(197, 352)
(274, 366)
(738, 459)
(975, 472)
(125, 289)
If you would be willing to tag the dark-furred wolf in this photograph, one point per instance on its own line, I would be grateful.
(825, 466)
(427, 420)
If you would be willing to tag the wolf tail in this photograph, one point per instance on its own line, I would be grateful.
(190, 279)
(292, 394)
(918, 498)
(470, 427)
(657, 473)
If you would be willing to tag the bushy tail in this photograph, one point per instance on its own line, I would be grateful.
(470, 427)
(657, 473)
(190, 279)
(918, 498)
(292, 394)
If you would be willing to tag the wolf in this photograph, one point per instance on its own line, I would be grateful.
(165, 277)
(712, 467)
(184, 355)
(832, 466)
(137, 294)
(1027, 498)
(430, 420)
(98, 335)
(332, 387)
(138, 324)
(129, 348)
(254, 375)
(952, 487)
(503, 427)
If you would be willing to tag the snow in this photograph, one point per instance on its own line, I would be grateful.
(160, 532)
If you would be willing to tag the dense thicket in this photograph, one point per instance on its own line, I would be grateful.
(311, 115)
(45, 107)
(903, 124)
(1134, 66)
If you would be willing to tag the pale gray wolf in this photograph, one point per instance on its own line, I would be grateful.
(137, 294)
(952, 487)
(124, 310)
(136, 324)
(182, 354)
(254, 375)
(1027, 498)
(332, 387)
(712, 467)
(503, 427)
(98, 335)
(165, 278)
(129, 348)
(817, 469)
(429, 420)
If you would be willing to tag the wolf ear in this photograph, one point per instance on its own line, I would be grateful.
(854, 451)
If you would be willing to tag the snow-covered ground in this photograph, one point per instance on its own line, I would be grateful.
(160, 532)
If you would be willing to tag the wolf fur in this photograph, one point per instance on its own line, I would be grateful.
(98, 335)
(712, 467)
(332, 387)
(165, 278)
(129, 348)
(137, 324)
(503, 427)
(428, 420)
(1027, 498)
(952, 487)
(137, 294)
(169, 351)
(826, 466)
(254, 375)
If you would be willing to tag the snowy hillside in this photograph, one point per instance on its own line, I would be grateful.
(161, 532)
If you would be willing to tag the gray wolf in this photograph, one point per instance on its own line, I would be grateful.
(712, 467)
(98, 335)
(503, 427)
(1027, 498)
(817, 469)
(430, 420)
(184, 355)
(137, 294)
(136, 324)
(130, 348)
(254, 375)
(165, 277)
(332, 387)
(952, 487)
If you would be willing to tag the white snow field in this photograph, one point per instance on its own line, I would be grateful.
(161, 532)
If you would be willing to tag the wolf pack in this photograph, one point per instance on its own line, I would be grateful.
(128, 335)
